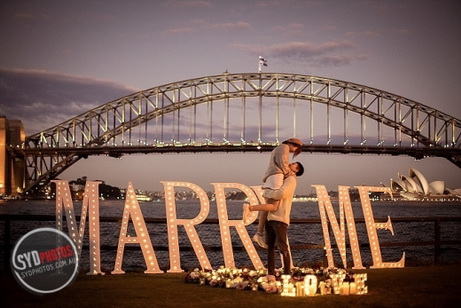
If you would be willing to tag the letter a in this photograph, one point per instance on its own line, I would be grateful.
(132, 209)
(173, 222)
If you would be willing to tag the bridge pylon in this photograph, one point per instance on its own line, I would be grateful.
(11, 165)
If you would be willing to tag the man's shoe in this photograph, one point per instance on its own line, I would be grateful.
(260, 240)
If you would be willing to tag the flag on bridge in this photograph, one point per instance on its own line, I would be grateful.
(262, 62)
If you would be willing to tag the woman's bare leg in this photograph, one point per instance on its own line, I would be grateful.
(262, 222)
(270, 206)
(264, 209)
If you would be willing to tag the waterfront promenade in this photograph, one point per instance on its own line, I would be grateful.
(430, 286)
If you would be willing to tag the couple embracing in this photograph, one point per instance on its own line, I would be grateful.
(274, 217)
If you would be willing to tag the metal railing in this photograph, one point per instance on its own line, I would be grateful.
(425, 240)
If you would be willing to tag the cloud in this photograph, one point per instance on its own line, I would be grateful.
(333, 53)
(30, 19)
(42, 99)
(292, 29)
(190, 4)
(240, 25)
(251, 49)
(400, 31)
(363, 34)
(340, 60)
(305, 49)
(179, 30)
(201, 25)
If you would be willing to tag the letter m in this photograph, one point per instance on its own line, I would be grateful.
(64, 205)
(327, 214)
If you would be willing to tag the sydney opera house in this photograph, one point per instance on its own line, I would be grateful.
(414, 186)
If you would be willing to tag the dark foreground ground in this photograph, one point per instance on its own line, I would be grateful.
(432, 286)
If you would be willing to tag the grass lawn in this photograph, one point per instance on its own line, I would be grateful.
(431, 286)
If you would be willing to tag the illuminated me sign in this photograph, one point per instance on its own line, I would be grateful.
(132, 213)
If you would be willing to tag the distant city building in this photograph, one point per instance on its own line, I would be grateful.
(415, 186)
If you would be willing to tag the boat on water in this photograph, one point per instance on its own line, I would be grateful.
(144, 198)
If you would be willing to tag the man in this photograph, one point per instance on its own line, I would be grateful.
(278, 220)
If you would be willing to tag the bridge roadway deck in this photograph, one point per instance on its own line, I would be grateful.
(117, 151)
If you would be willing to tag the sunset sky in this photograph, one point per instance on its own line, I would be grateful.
(59, 59)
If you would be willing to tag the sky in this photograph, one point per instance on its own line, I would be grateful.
(59, 59)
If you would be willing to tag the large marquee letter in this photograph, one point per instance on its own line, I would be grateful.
(372, 226)
(225, 224)
(91, 198)
(173, 222)
(339, 231)
(132, 210)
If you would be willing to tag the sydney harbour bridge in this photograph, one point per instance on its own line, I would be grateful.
(242, 113)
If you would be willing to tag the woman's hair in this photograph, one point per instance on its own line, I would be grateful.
(295, 142)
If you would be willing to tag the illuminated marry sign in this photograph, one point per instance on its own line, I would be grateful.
(132, 213)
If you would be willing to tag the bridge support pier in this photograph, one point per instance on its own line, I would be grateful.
(11, 167)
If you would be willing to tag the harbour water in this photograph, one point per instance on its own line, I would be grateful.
(299, 234)
(190, 208)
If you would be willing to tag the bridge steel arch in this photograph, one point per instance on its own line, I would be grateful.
(245, 112)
